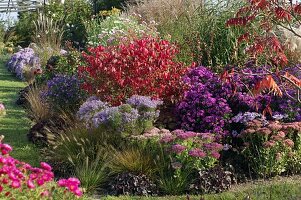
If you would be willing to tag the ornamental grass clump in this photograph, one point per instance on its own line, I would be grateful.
(143, 66)
(21, 180)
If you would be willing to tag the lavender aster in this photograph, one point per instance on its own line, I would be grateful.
(89, 108)
(25, 58)
(105, 116)
(143, 102)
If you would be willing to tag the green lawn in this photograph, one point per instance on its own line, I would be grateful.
(15, 125)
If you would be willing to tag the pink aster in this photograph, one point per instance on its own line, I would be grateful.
(15, 184)
(45, 166)
(30, 184)
(5, 149)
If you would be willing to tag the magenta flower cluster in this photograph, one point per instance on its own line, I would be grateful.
(72, 184)
(20, 176)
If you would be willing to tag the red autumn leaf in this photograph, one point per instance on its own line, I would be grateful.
(282, 14)
(293, 79)
(297, 9)
(267, 83)
(244, 37)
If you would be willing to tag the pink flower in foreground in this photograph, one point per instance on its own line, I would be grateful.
(45, 166)
(15, 184)
(30, 184)
(5, 149)
(78, 192)
(72, 184)
(20, 175)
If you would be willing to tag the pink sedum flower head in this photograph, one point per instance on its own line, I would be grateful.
(167, 139)
(215, 155)
(177, 148)
(197, 153)
(289, 142)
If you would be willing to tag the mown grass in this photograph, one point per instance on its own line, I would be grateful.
(276, 189)
(15, 125)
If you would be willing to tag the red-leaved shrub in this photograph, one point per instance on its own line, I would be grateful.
(144, 66)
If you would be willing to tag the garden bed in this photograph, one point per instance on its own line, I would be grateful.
(158, 100)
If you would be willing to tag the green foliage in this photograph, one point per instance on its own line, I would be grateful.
(172, 178)
(294, 161)
(115, 28)
(66, 64)
(92, 172)
(48, 32)
(24, 28)
(99, 5)
(203, 37)
(267, 155)
(74, 14)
